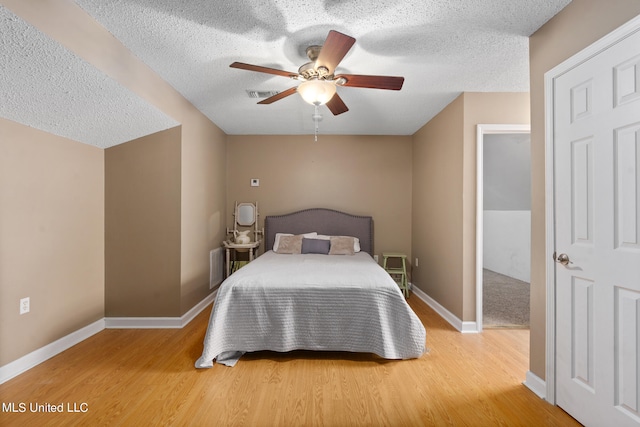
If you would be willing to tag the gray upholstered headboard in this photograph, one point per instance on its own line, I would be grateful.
(324, 221)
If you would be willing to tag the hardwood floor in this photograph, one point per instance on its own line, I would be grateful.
(146, 377)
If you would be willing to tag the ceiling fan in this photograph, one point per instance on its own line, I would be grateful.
(319, 83)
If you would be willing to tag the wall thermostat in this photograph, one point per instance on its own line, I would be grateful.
(255, 182)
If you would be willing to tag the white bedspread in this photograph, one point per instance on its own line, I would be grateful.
(311, 302)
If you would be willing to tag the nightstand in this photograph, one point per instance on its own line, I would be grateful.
(233, 265)
(397, 268)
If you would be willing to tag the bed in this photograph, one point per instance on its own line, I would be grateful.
(312, 301)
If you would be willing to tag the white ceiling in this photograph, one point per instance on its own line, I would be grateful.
(441, 47)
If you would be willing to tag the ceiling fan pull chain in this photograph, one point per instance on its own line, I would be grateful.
(316, 118)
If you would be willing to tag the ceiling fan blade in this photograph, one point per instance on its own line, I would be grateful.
(335, 47)
(336, 105)
(260, 69)
(279, 96)
(372, 82)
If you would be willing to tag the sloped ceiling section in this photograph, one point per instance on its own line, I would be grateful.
(45, 86)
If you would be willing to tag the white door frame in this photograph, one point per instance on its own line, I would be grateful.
(481, 131)
(549, 82)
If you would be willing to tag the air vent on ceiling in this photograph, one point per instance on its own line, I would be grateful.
(261, 93)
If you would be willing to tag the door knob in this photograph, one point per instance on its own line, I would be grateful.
(562, 259)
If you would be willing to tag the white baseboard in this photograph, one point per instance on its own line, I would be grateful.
(23, 364)
(536, 385)
(36, 357)
(159, 322)
(464, 327)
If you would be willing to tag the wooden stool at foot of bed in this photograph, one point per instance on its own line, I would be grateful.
(397, 272)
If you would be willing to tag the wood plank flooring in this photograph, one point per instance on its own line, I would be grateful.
(147, 378)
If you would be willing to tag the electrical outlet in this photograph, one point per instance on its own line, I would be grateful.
(416, 263)
(24, 305)
(375, 258)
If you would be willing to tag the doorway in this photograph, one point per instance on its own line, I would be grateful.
(503, 216)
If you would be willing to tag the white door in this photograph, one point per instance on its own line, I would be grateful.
(597, 226)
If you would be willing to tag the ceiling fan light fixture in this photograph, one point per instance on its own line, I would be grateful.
(317, 92)
(317, 77)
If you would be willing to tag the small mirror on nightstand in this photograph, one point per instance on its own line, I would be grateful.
(240, 242)
(245, 214)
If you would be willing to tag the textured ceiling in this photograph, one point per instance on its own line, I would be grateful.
(45, 86)
(441, 47)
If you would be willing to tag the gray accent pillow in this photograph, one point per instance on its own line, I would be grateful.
(315, 246)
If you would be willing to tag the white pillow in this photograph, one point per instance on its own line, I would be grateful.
(356, 241)
(276, 241)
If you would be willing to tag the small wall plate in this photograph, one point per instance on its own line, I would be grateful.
(255, 182)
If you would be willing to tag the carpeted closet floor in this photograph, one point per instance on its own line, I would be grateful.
(505, 301)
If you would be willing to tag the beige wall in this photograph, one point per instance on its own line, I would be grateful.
(196, 199)
(362, 175)
(203, 204)
(176, 210)
(142, 226)
(51, 237)
(203, 143)
(581, 23)
(444, 195)
(437, 207)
